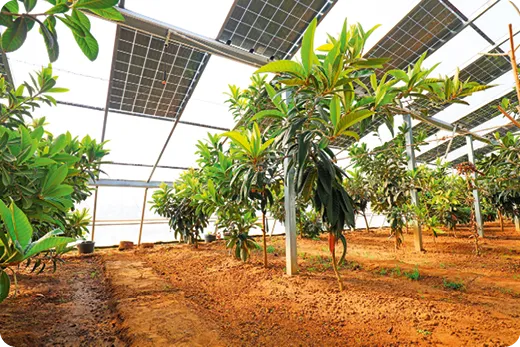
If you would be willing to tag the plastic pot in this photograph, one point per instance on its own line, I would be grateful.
(209, 238)
(86, 247)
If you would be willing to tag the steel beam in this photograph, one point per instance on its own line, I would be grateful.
(103, 182)
(134, 114)
(476, 197)
(416, 226)
(201, 43)
(290, 220)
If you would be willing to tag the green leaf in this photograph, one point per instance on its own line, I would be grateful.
(11, 6)
(95, 4)
(283, 66)
(335, 110)
(14, 37)
(76, 27)
(46, 243)
(58, 90)
(29, 4)
(61, 8)
(5, 283)
(109, 13)
(48, 30)
(268, 113)
(307, 51)
(81, 18)
(88, 45)
(239, 140)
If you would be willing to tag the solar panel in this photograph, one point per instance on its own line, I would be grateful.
(484, 113)
(486, 68)
(151, 78)
(428, 26)
(440, 150)
(272, 28)
(425, 29)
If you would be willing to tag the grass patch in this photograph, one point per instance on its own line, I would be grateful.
(352, 265)
(424, 332)
(382, 271)
(271, 249)
(453, 285)
(396, 271)
(413, 275)
(442, 265)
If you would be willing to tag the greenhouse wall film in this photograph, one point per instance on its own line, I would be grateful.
(259, 173)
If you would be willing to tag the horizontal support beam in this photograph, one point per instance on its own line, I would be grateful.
(133, 114)
(105, 182)
(201, 43)
(445, 125)
(148, 165)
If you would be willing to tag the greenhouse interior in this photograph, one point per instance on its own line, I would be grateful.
(259, 173)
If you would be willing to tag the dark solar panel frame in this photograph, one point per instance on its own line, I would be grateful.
(141, 63)
(273, 28)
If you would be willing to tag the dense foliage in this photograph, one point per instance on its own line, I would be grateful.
(18, 23)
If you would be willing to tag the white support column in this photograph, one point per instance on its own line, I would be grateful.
(290, 221)
(476, 197)
(516, 219)
(416, 226)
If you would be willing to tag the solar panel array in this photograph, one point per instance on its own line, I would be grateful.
(272, 28)
(470, 121)
(152, 78)
(486, 68)
(425, 29)
(428, 26)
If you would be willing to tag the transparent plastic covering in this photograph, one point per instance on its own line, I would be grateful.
(136, 141)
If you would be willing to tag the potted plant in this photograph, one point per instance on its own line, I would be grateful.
(77, 223)
(209, 237)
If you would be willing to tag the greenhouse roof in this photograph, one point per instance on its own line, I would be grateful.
(159, 83)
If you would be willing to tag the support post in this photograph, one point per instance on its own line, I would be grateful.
(142, 217)
(290, 220)
(416, 226)
(517, 223)
(476, 197)
(94, 215)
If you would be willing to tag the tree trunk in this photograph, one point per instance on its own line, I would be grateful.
(501, 219)
(366, 223)
(335, 266)
(264, 239)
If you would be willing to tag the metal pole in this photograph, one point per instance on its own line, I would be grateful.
(476, 197)
(142, 217)
(290, 220)
(105, 118)
(416, 226)
(94, 215)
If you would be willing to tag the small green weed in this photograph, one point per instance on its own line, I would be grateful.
(271, 249)
(93, 274)
(424, 332)
(442, 265)
(383, 271)
(413, 275)
(311, 269)
(453, 285)
(396, 271)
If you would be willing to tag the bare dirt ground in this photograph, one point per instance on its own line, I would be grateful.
(71, 307)
(176, 295)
